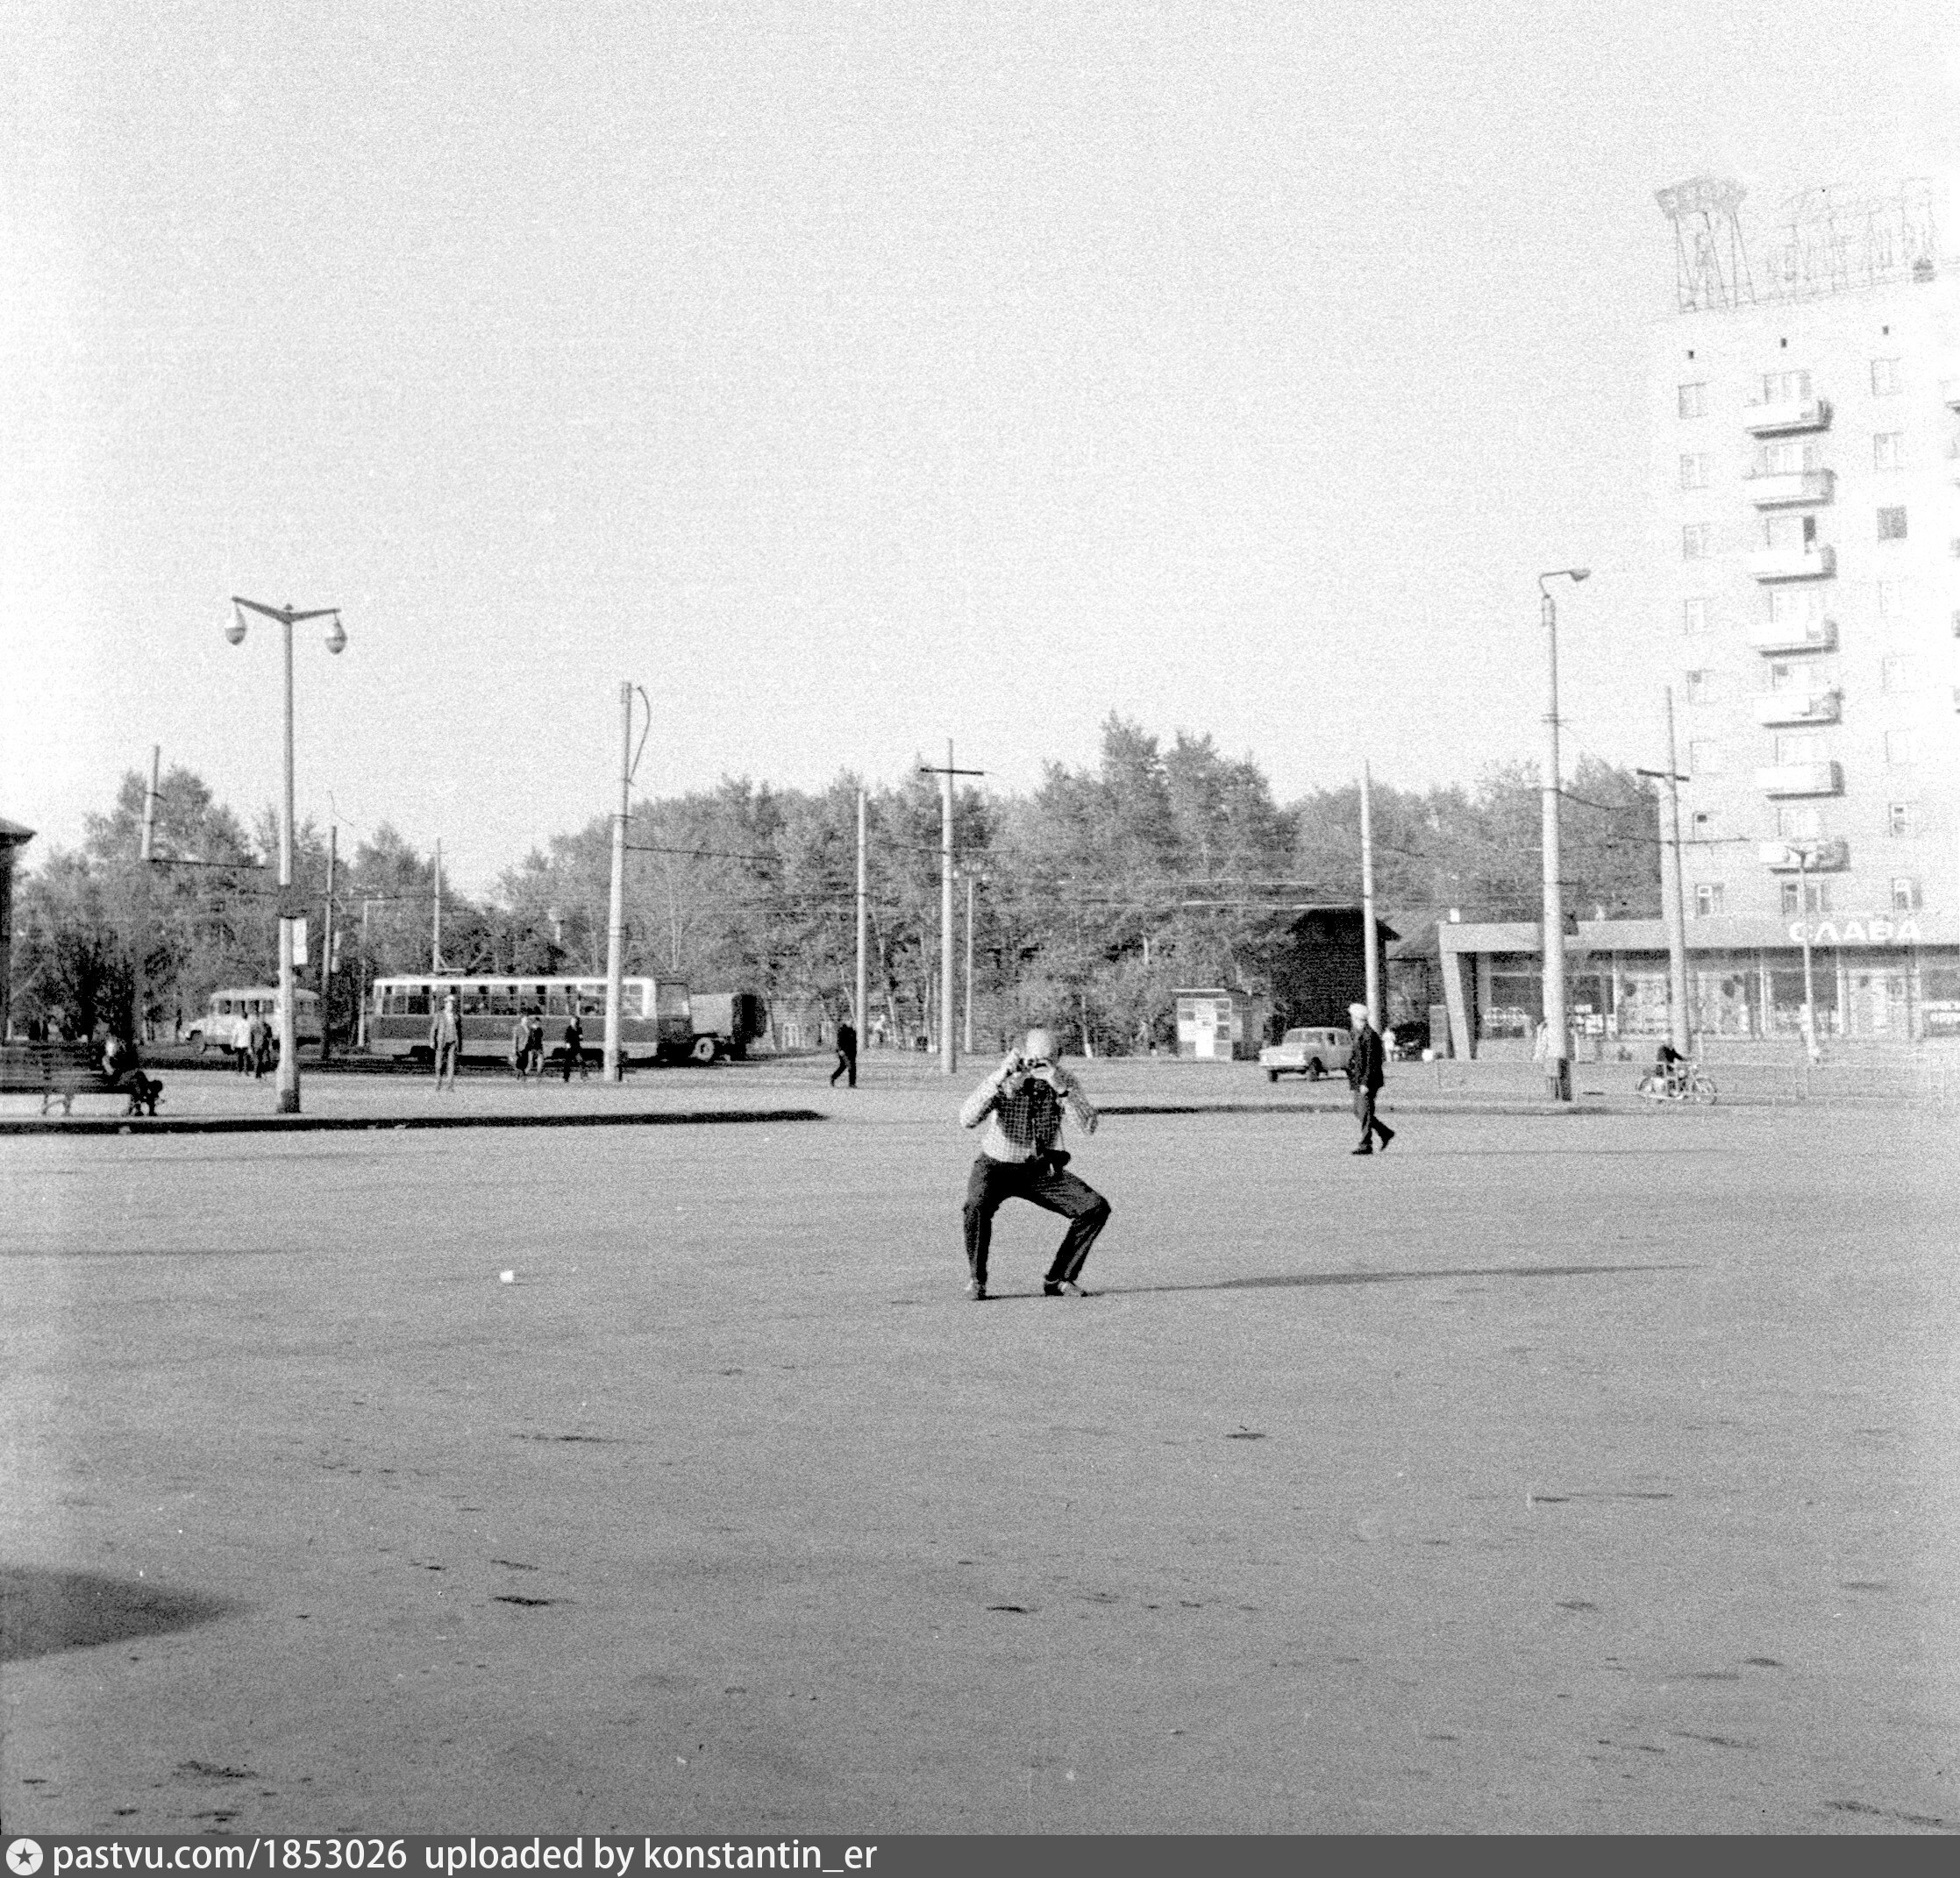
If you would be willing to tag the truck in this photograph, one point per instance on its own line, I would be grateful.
(725, 1023)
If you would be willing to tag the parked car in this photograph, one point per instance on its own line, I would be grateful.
(1308, 1052)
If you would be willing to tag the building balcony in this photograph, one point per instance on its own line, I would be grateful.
(1816, 857)
(1800, 778)
(1950, 392)
(1787, 414)
(1792, 563)
(1796, 706)
(1795, 636)
(1791, 489)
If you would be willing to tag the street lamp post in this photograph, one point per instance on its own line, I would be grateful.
(1804, 853)
(1558, 1041)
(336, 642)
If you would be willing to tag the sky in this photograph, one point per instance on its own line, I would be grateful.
(854, 378)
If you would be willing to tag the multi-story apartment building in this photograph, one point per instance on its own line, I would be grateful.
(1804, 592)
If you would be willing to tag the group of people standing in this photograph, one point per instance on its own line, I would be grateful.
(252, 1046)
(527, 1043)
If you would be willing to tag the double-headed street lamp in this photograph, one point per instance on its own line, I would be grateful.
(336, 642)
(1558, 1041)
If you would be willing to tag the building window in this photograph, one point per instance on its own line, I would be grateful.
(1799, 746)
(1694, 617)
(1698, 688)
(1708, 898)
(1905, 893)
(1884, 378)
(1786, 387)
(1794, 823)
(1806, 896)
(1892, 525)
(1902, 747)
(1888, 449)
(1693, 400)
(1704, 756)
(1899, 821)
(1695, 541)
(1786, 457)
(1895, 674)
(1895, 598)
(1695, 471)
(1796, 606)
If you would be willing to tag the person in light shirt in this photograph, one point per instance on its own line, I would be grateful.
(1022, 1105)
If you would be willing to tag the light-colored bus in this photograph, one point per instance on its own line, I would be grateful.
(223, 1009)
(654, 1025)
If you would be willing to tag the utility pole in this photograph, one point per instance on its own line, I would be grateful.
(435, 943)
(615, 906)
(143, 896)
(1373, 977)
(1558, 1073)
(326, 947)
(968, 1038)
(859, 1012)
(1672, 896)
(949, 1050)
(1810, 989)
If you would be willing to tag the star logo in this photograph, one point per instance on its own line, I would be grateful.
(23, 1857)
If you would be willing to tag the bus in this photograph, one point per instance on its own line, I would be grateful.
(223, 1009)
(654, 1024)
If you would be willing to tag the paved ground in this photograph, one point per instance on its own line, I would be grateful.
(1586, 1473)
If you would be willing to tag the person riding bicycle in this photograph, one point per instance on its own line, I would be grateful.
(1671, 1067)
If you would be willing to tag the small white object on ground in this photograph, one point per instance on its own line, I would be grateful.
(507, 1277)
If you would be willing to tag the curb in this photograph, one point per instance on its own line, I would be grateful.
(345, 1124)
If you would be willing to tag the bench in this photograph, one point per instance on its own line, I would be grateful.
(59, 1072)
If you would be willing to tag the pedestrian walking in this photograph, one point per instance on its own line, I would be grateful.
(1021, 1103)
(847, 1056)
(520, 1033)
(575, 1043)
(445, 1041)
(258, 1038)
(241, 1044)
(534, 1042)
(1365, 1074)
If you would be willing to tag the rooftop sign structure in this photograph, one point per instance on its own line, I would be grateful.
(1827, 241)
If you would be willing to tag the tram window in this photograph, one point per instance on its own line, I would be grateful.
(503, 1000)
(418, 1001)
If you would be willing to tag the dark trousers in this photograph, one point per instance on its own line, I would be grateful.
(993, 1182)
(574, 1055)
(847, 1065)
(1365, 1108)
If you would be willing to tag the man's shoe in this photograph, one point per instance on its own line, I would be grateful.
(1363, 1148)
(1062, 1288)
(1387, 1135)
(976, 1291)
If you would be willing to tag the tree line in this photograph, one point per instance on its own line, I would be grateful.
(1095, 896)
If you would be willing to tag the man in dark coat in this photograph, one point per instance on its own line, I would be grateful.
(1366, 1069)
(847, 1056)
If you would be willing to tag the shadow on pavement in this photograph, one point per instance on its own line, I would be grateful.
(45, 1612)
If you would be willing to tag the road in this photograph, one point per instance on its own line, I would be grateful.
(1579, 1473)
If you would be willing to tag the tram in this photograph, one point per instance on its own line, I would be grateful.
(654, 1021)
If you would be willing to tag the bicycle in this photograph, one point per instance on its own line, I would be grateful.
(1687, 1084)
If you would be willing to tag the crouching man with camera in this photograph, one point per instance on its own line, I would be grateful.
(1021, 1103)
